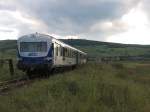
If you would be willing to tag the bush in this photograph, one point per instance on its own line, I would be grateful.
(118, 65)
(73, 88)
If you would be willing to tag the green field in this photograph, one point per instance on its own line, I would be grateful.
(113, 87)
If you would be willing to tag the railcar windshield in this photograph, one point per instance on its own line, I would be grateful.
(33, 46)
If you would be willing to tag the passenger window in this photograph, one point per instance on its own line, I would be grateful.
(56, 51)
(69, 52)
(61, 51)
(65, 52)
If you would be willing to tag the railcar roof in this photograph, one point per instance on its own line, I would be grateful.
(35, 36)
(66, 45)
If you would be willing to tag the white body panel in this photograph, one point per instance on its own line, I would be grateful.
(60, 60)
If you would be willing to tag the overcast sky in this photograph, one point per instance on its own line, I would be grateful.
(123, 21)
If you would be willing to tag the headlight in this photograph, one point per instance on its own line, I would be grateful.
(19, 59)
(47, 58)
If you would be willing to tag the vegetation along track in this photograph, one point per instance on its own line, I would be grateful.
(11, 84)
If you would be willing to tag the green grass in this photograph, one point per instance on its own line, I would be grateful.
(114, 87)
(5, 73)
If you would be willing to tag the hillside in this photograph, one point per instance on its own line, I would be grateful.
(92, 48)
(97, 48)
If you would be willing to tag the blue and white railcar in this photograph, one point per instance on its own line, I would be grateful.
(40, 51)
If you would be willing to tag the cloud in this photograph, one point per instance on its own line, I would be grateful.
(138, 27)
(67, 17)
(91, 19)
(75, 17)
(14, 22)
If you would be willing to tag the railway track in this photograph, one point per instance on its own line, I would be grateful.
(6, 86)
(11, 84)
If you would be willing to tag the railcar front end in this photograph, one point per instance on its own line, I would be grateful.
(34, 52)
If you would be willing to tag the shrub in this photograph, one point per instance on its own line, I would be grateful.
(73, 88)
(118, 65)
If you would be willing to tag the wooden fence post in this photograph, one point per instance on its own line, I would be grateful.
(11, 67)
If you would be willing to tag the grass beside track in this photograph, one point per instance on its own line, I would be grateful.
(113, 87)
(5, 73)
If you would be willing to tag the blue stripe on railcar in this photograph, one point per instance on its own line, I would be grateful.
(37, 60)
